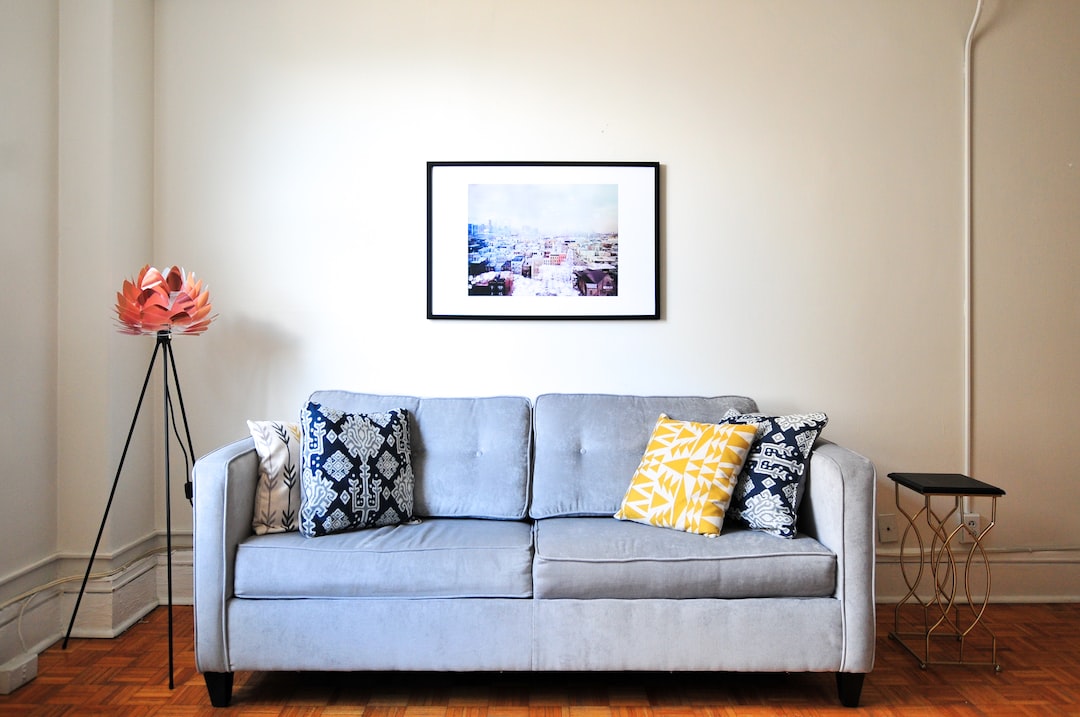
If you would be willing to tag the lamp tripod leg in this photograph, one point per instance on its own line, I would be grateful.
(168, 507)
(164, 344)
(112, 494)
(170, 418)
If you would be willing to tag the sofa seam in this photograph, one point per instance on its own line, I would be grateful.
(841, 574)
(687, 559)
(354, 551)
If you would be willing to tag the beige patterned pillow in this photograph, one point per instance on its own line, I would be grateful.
(277, 494)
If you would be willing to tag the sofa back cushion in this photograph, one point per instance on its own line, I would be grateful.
(470, 456)
(589, 445)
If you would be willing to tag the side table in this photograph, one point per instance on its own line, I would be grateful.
(944, 614)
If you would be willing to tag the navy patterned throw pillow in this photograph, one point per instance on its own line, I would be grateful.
(772, 480)
(357, 470)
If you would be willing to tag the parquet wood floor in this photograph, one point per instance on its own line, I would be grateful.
(1039, 649)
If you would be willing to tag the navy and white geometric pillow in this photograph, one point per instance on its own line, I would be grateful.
(772, 481)
(357, 470)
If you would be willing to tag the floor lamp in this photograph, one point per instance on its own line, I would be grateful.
(159, 304)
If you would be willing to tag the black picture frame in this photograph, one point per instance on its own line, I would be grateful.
(543, 240)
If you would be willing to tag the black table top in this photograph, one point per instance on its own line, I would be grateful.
(945, 484)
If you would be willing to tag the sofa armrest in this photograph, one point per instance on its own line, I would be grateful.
(838, 510)
(224, 503)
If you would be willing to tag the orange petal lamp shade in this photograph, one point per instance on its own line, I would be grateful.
(163, 302)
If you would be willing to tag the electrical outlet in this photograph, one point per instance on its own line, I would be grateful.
(971, 528)
(886, 528)
(17, 672)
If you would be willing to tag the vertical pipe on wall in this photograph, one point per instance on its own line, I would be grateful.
(969, 324)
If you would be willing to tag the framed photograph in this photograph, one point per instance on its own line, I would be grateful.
(543, 240)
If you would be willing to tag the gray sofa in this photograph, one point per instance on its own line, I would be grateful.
(517, 563)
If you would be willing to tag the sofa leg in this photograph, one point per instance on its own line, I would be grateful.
(219, 685)
(849, 685)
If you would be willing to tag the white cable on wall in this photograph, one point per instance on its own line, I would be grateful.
(27, 597)
(969, 321)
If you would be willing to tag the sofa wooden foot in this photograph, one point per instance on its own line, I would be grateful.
(219, 685)
(849, 685)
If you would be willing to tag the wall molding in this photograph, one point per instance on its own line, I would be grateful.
(1018, 575)
(36, 617)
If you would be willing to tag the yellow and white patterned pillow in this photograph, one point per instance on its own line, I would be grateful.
(687, 475)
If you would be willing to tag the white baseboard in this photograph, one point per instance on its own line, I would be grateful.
(109, 607)
(183, 578)
(1017, 576)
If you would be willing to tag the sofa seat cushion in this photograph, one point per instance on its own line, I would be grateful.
(588, 558)
(436, 558)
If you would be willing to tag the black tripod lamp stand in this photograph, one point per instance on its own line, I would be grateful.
(159, 304)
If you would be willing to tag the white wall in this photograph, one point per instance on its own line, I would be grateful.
(812, 195)
(105, 183)
(76, 196)
(811, 165)
(28, 47)
(1027, 297)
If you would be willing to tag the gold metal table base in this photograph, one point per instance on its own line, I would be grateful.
(949, 623)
